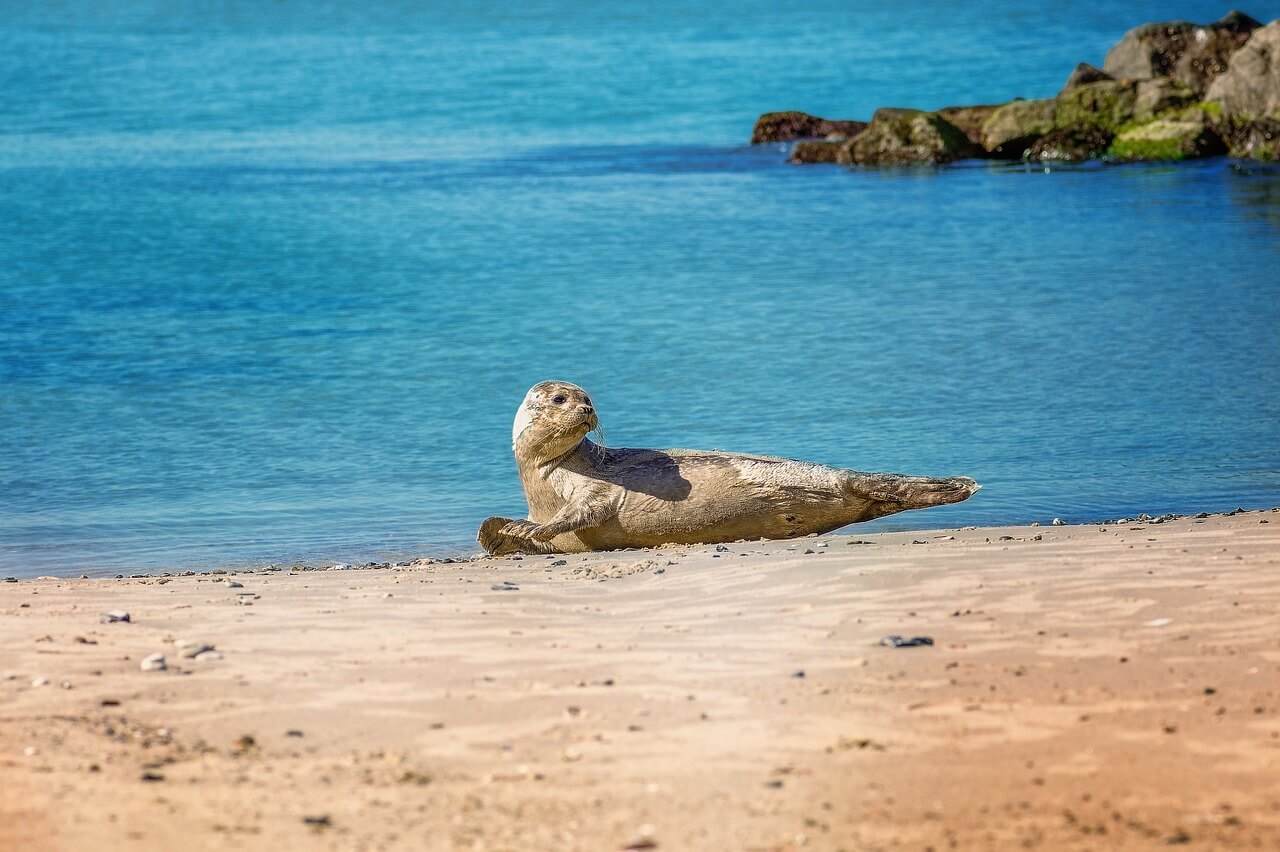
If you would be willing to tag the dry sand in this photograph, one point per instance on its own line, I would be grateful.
(1090, 687)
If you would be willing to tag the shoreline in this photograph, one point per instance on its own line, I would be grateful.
(309, 565)
(1089, 686)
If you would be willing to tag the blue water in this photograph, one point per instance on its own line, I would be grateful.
(274, 276)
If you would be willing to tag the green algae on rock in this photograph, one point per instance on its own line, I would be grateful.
(1177, 135)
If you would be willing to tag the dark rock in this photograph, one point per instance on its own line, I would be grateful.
(1011, 129)
(788, 126)
(810, 151)
(969, 119)
(1069, 146)
(1190, 53)
(895, 641)
(1250, 89)
(1256, 140)
(1085, 73)
(1178, 135)
(899, 137)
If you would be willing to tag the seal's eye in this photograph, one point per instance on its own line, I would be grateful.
(558, 399)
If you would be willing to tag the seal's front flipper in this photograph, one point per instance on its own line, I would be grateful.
(496, 541)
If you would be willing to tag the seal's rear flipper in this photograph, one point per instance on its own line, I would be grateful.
(890, 493)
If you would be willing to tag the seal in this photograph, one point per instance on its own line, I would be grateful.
(584, 496)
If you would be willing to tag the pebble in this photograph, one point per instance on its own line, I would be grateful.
(113, 616)
(321, 821)
(66, 684)
(8, 676)
(893, 640)
(31, 751)
(40, 681)
(1157, 622)
(798, 673)
(190, 649)
(154, 663)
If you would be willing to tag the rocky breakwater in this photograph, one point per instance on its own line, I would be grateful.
(1166, 92)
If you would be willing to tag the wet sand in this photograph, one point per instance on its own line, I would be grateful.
(1096, 687)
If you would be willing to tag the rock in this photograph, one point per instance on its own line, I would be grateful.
(1069, 146)
(1010, 130)
(191, 649)
(791, 125)
(1179, 135)
(1160, 95)
(895, 641)
(1188, 52)
(154, 663)
(113, 616)
(1085, 73)
(815, 151)
(40, 681)
(969, 119)
(898, 137)
(1257, 140)
(1106, 105)
(1250, 89)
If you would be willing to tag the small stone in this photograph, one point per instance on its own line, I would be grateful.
(571, 755)
(1157, 622)
(31, 751)
(293, 732)
(151, 776)
(40, 681)
(8, 676)
(66, 684)
(798, 673)
(190, 649)
(154, 663)
(321, 821)
(113, 616)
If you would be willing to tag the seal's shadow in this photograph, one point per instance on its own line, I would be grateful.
(650, 472)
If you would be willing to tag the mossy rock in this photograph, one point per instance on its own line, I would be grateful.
(1011, 129)
(1069, 146)
(1176, 135)
(815, 151)
(970, 119)
(792, 125)
(898, 137)
(1106, 105)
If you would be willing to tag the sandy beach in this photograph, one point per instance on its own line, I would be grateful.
(1088, 687)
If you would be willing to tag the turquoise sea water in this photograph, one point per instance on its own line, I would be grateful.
(274, 277)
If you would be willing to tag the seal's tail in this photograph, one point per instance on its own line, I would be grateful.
(897, 493)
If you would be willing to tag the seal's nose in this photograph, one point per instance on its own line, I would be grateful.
(585, 409)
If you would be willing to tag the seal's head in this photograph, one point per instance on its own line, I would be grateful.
(553, 419)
